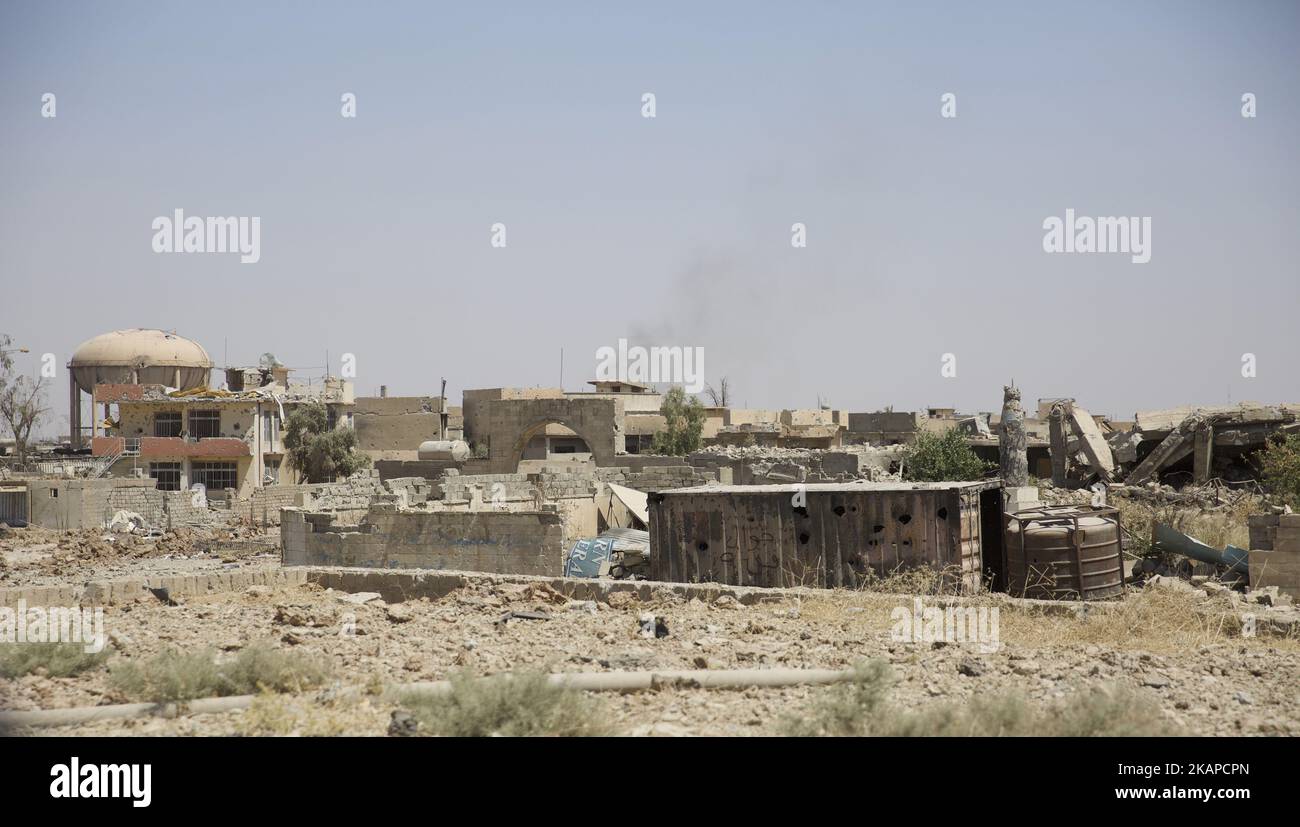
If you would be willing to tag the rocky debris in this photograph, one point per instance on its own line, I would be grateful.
(652, 626)
(622, 600)
(397, 613)
(833, 631)
(358, 598)
(302, 615)
(972, 667)
(37, 552)
(127, 522)
(403, 724)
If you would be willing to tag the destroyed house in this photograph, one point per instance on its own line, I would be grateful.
(224, 440)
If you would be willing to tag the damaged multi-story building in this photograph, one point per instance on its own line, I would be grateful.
(179, 431)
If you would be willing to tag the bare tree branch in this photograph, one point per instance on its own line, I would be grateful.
(719, 397)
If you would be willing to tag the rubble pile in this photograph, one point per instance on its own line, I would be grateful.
(1218, 440)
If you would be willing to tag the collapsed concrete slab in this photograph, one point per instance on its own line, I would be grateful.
(1093, 443)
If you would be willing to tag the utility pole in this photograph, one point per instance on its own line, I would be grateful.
(442, 410)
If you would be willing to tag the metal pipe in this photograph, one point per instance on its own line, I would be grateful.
(581, 681)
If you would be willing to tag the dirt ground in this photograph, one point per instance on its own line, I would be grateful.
(1176, 646)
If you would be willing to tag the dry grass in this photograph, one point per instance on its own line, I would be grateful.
(1219, 528)
(56, 660)
(915, 580)
(174, 675)
(290, 715)
(861, 707)
(522, 704)
(1157, 620)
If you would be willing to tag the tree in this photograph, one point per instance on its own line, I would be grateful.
(1280, 468)
(22, 401)
(946, 457)
(719, 397)
(683, 424)
(320, 453)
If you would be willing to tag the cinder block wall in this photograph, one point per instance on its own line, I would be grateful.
(354, 494)
(92, 503)
(501, 542)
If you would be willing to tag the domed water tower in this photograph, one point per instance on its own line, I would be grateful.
(133, 357)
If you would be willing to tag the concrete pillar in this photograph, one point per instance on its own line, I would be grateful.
(1203, 454)
(1060, 461)
(1012, 452)
(74, 410)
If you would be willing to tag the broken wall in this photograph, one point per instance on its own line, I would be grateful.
(501, 542)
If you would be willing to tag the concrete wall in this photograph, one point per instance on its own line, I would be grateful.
(501, 542)
(393, 426)
(883, 426)
(430, 469)
(510, 424)
(77, 504)
(474, 412)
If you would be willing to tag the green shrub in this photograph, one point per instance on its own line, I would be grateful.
(1280, 468)
(523, 704)
(59, 660)
(860, 707)
(174, 675)
(942, 457)
(683, 424)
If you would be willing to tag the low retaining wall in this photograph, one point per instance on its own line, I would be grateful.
(127, 589)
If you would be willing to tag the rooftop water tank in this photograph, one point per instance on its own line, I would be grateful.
(143, 357)
(444, 450)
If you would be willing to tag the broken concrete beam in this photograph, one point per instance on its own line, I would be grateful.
(1093, 443)
(1124, 445)
(1172, 449)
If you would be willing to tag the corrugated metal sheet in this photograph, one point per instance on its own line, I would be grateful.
(13, 507)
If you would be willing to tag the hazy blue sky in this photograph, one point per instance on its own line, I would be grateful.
(924, 233)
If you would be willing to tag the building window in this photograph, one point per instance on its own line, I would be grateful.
(168, 474)
(214, 476)
(272, 474)
(205, 424)
(331, 418)
(167, 424)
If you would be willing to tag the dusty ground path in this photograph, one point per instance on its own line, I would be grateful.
(1182, 650)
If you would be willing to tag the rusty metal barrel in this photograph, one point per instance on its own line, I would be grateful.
(1064, 553)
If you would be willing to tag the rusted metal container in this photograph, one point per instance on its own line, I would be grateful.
(1064, 553)
(833, 535)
